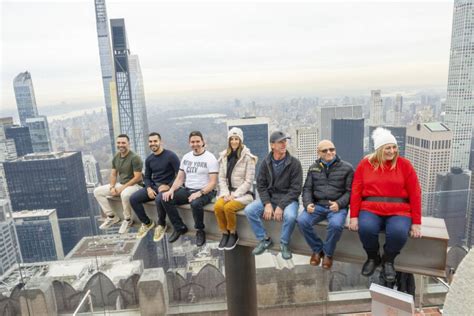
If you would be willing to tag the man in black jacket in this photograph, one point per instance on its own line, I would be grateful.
(279, 187)
(326, 195)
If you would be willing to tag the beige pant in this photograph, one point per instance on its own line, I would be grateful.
(101, 193)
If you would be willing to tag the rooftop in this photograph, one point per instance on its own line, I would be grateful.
(105, 245)
(436, 127)
(32, 213)
(46, 156)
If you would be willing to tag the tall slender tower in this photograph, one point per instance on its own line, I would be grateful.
(398, 110)
(107, 67)
(25, 96)
(130, 94)
(460, 98)
(376, 108)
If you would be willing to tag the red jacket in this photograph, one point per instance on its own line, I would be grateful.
(401, 182)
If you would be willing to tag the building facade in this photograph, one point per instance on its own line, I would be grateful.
(348, 137)
(429, 148)
(306, 142)
(459, 106)
(38, 235)
(22, 138)
(9, 249)
(39, 131)
(376, 108)
(328, 113)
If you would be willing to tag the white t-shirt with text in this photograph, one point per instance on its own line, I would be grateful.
(197, 169)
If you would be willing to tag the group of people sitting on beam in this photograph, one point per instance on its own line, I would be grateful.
(383, 194)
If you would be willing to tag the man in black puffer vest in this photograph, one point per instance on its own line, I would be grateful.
(326, 195)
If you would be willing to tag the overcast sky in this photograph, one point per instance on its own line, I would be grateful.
(232, 47)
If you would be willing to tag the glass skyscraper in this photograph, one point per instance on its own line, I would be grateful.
(39, 131)
(107, 68)
(130, 93)
(25, 96)
(22, 138)
(460, 96)
(38, 235)
(348, 137)
(52, 181)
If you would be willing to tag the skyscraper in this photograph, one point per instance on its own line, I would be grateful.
(398, 132)
(130, 94)
(52, 181)
(256, 135)
(328, 113)
(91, 169)
(38, 235)
(348, 137)
(460, 95)
(39, 131)
(398, 110)
(21, 137)
(428, 148)
(107, 67)
(48, 181)
(9, 248)
(306, 142)
(376, 108)
(451, 202)
(25, 96)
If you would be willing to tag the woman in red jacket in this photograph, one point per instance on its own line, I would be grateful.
(386, 195)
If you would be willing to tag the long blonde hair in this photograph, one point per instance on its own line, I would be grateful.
(377, 161)
(239, 149)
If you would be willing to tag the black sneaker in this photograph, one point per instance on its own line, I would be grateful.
(176, 234)
(223, 242)
(200, 237)
(232, 241)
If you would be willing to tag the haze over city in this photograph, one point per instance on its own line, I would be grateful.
(230, 49)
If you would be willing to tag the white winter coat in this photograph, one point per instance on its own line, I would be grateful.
(242, 176)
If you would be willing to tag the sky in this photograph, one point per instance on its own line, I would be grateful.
(229, 48)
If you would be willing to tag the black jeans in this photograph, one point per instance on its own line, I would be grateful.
(181, 197)
(141, 196)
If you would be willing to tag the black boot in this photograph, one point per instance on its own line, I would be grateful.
(372, 262)
(388, 270)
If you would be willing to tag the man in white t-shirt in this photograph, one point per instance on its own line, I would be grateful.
(198, 172)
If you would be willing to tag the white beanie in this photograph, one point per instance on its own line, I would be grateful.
(235, 131)
(382, 136)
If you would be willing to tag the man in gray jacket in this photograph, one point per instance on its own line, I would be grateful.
(326, 195)
(279, 186)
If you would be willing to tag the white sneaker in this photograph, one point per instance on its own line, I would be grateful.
(109, 221)
(143, 230)
(159, 233)
(126, 224)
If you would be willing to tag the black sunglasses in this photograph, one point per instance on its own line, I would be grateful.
(332, 149)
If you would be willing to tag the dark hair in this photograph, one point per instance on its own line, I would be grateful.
(196, 133)
(154, 134)
(124, 135)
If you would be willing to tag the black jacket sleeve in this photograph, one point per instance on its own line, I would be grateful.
(344, 200)
(296, 182)
(308, 190)
(263, 180)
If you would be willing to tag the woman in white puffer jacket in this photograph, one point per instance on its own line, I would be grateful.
(236, 176)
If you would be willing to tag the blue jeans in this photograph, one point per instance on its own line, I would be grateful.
(140, 197)
(254, 213)
(396, 232)
(336, 221)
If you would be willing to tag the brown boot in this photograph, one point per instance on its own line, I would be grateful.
(315, 259)
(327, 262)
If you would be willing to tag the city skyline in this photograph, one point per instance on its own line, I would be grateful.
(238, 48)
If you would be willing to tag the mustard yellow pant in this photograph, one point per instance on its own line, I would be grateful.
(226, 214)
